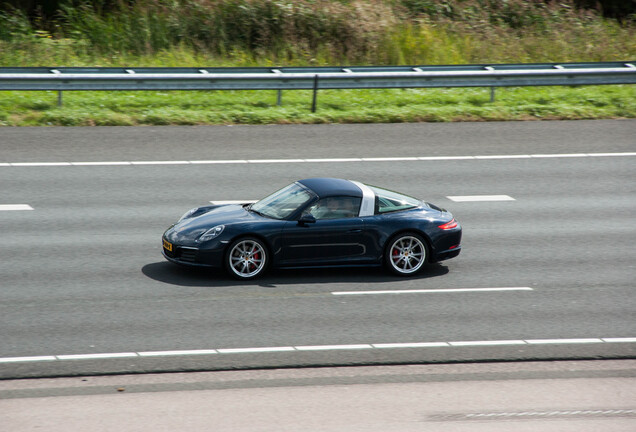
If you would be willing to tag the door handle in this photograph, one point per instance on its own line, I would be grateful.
(355, 231)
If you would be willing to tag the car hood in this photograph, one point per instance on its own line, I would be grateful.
(212, 216)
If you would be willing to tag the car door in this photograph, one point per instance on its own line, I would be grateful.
(336, 237)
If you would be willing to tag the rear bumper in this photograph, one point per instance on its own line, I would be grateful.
(447, 254)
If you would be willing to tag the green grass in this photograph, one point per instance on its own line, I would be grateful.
(209, 33)
(334, 106)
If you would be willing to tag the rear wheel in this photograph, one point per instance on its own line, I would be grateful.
(246, 258)
(406, 254)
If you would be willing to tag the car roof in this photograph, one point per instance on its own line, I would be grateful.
(326, 187)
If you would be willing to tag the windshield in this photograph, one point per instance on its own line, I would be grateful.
(281, 204)
(389, 201)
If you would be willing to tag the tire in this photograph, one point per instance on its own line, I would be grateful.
(246, 258)
(406, 254)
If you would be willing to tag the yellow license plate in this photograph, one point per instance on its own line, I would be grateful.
(167, 246)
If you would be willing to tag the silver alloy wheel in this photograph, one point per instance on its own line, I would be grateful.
(247, 258)
(407, 254)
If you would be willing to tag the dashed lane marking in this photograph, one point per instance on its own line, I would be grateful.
(480, 198)
(305, 348)
(431, 291)
(318, 160)
(15, 207)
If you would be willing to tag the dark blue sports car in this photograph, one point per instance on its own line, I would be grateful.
(312, 223)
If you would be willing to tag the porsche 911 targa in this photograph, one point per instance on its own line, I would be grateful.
(316, 222)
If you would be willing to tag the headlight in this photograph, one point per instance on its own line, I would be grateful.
(211, 233)
(188, 214)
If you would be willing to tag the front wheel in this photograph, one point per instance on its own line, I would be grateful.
(246, 258)
(406, 254)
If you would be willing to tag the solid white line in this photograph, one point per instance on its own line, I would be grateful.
(260, 161)
(175, 353)
(40, 164)
(96, 356)
(619, 340)
(431, 291)
(443, 158)
(218, 162)
(160, 163)
(332, 347)
(27, 359)
(319, 160)
(100, 163)
(480, 198)
(15, 207)
(255, 350)
(561, 155)
(229, 351)
(562, 341)
(390, 159)
(335, 160)
(412, 345)
(487, 343)
(611, 154)
(504, 157)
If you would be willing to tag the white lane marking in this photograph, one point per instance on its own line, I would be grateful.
(453, 344)
(317, 160)
(175, 353)
(543, 414)
(504, 157)
(15, 207)
(255, 350)
(619, 340)
(487, 343)
(562, 155)
(233, 202)
(218, 162)
(431, 291)
(96, 356)
(389, 159)
(480, 198)
(160, 162)
(40, 164)
(563, 341)
(257, 161)
(333, 347)
(99, 163)
(27, 359)
(412, 345)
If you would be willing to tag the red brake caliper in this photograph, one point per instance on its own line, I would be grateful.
(255, 256)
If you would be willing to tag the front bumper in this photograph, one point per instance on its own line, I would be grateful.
(191, 256)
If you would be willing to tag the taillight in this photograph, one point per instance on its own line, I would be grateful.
(449, 225)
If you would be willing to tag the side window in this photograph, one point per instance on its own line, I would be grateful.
(388, 201)
(335, 208)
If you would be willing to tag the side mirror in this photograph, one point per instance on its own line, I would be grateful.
(306, 218)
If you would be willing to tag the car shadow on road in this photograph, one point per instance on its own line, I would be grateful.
(204, 277)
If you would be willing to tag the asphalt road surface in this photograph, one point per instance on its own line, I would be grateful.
(561, 396)
(549, 217)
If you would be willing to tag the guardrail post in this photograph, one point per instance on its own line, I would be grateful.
(59, 98)
(313, 102)
(492, 94)
(279, 98)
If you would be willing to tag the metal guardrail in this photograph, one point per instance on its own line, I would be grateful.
(314, 78)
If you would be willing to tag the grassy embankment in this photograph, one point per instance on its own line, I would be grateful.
(284, 33)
